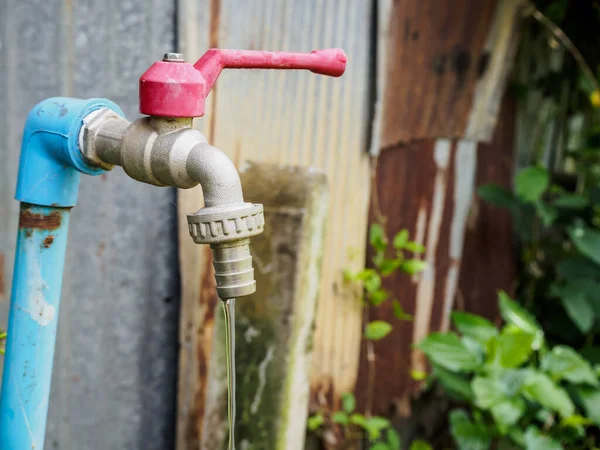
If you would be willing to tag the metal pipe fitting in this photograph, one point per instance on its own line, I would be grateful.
(166, 151)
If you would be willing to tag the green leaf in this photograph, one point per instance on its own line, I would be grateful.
(375, 425)
(512, 348)
(577, 268)
(348, 402)
(379, 446)
(418, 375)
(531, 183)
(575, 421)
(401, 239)
(571, 201)
(413, 266)
(315, 422)
(449, 352)
(547, 213)
(487, 392)
(359, 420)
(340, 417)
(373, 283)
(497, 195)
(378, 297)
(389, 266)
(456, 386)
(540, 388)
(399, 311)
(574, 300)
(378, 329)
(377, 237)
(535, 440)
(516, 315)
(365, 274)
(348, 275)
(420, 445)
(587, 241)
(466, 434)
(414, 247)
(508, 412)
(393, 439)
(474, 326)
(564, 363)
(590, 398)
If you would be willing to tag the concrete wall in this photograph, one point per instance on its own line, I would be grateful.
(116, 362)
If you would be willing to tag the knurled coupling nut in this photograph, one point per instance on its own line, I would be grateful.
(219, 224)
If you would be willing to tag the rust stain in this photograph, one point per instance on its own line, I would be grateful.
(436, 57)
(405, 187)
(104, 177)
(30, 220)
(101, 248)
(48, 241)
(2, 282)
(208, 301)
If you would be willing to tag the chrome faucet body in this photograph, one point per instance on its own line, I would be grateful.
(166, 151)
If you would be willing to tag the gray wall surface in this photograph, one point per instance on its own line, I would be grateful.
(116, 362)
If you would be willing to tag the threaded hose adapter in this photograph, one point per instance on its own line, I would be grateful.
(228, 228)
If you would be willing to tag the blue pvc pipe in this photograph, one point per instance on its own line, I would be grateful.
(35, 301)
(47, 187)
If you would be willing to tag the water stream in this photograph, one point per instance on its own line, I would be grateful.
(229, 310)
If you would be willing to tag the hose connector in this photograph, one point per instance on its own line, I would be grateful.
(228, 229)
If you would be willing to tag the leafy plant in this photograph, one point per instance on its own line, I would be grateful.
(379, 433)
(387, 260)
(521, 392)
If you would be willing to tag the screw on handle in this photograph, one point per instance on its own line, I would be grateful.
(174, 88)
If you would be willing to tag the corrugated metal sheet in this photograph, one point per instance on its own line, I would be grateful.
(115, 377)
(446, 77)
(288, 118)
(447, 67)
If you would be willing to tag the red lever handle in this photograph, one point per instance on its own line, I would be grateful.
(178, 89)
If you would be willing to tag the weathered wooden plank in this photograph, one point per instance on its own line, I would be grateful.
(293, 119)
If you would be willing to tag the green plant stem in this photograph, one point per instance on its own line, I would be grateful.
(370, 367)
(568, 44)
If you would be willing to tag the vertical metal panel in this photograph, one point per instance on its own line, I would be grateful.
(287, 118)
(489, 260)
(115, 368)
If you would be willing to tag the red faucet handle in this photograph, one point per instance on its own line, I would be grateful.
(175, 88)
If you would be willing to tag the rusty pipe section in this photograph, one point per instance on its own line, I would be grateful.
(166, 151)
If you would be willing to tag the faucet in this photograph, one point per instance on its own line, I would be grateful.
(65, 137)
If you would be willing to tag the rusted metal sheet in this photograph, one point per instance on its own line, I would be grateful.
(447, 67)
(428, 188)
(489, 258)
(425, 187)
(289, 118)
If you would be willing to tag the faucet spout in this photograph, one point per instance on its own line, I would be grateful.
(216, 174)
(167, 151)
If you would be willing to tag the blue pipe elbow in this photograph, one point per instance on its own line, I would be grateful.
(51, 162)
